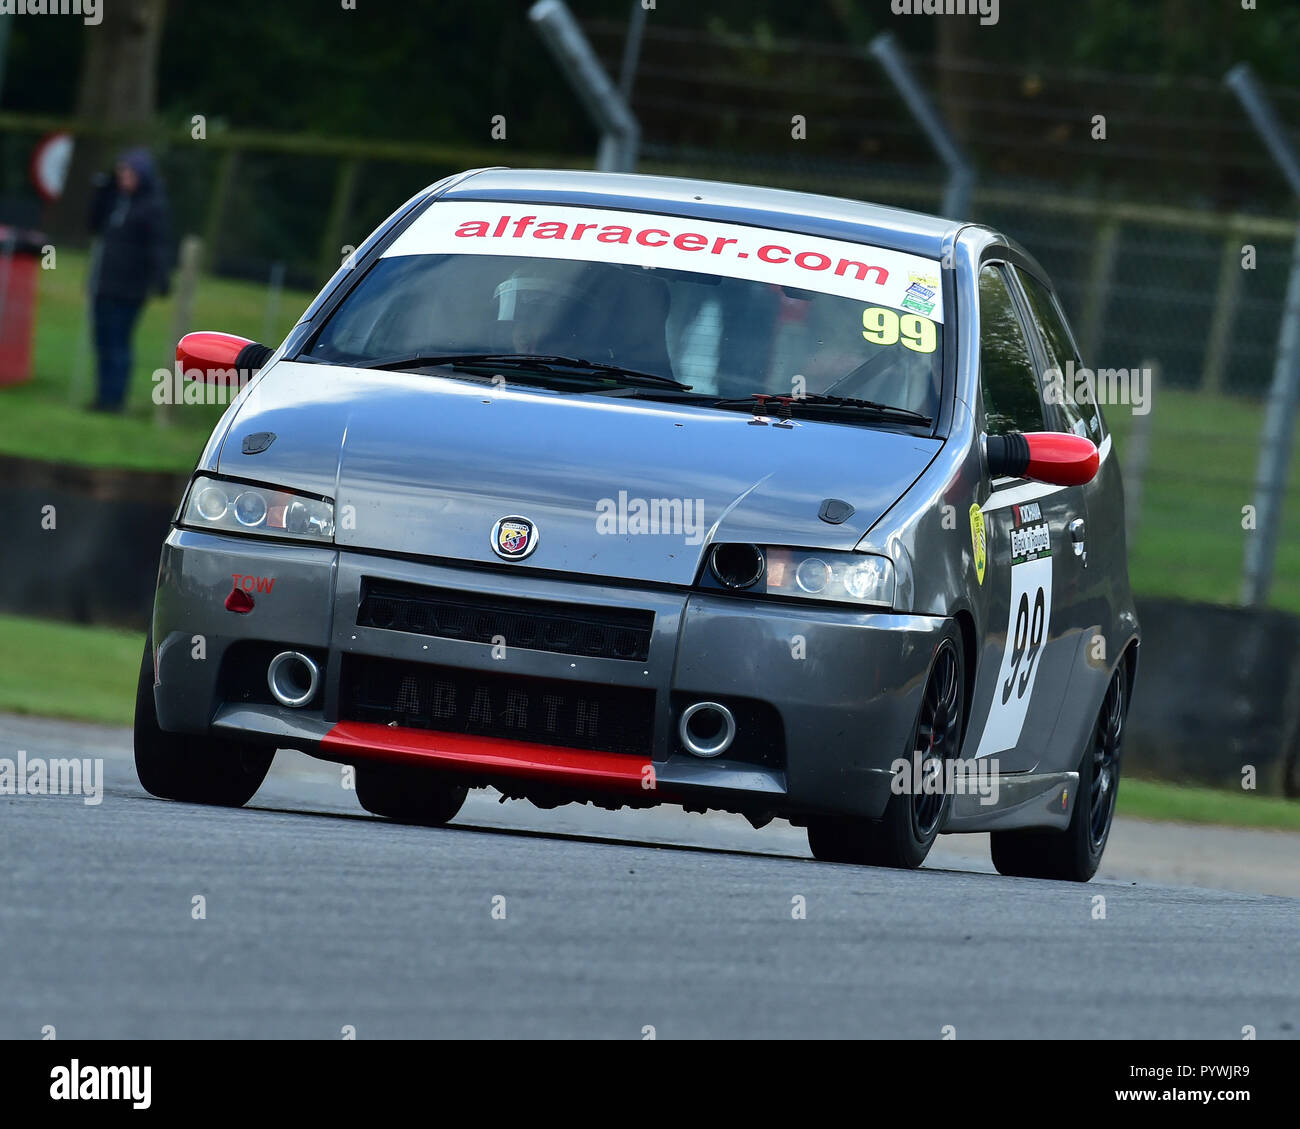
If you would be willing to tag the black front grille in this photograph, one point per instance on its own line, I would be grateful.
(535, 625)
(579, 715)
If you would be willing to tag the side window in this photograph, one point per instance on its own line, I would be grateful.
(1078, 400)
(1010, 387)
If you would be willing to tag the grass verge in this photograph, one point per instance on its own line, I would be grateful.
(1182, 803)
(68, 670)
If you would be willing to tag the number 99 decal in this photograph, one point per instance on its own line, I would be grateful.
(1028, 620)
(883, 326)
(1028, 642)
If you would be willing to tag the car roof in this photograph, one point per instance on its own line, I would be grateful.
(828, 216)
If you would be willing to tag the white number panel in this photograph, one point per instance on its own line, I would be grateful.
(1027, 630)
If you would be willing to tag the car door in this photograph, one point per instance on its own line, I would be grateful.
(1095, 524)
(1027, 657)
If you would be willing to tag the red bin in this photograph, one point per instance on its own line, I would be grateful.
(19, 252)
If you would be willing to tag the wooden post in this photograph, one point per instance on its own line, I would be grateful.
(227, 165)
(187, 279)
(1097, 296)
(1224, 313)
(331, 244)
(271, 311)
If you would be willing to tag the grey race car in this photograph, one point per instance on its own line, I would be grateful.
(635, 490)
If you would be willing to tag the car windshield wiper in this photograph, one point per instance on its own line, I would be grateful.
(782, 406)
(544, 362)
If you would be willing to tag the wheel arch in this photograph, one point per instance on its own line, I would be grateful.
(970, 656)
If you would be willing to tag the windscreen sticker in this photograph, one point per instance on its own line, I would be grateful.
(883, 326)
(923, 292)
(808, 262)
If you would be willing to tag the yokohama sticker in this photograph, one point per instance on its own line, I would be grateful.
(599, 235)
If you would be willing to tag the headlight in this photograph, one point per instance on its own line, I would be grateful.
(844, 578)
(236, 507)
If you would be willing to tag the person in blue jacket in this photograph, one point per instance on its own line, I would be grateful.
(129, 212)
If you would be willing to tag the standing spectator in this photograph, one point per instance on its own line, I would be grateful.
(129, 212)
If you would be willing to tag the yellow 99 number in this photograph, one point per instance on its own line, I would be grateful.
(883, 326)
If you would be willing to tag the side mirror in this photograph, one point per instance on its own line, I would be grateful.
(1054, 457)
(220, 357)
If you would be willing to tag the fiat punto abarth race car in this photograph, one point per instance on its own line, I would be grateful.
(635, 490)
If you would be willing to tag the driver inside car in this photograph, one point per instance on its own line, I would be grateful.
(535, 310)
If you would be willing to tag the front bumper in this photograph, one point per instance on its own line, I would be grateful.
(843, 688)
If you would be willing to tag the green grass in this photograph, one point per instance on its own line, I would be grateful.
(46, 417)
(67, 670)
(1189, 541)
(1179, 803)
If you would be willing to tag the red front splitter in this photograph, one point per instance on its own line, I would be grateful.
(490, 756)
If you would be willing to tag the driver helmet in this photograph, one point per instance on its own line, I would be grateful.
(524, 294)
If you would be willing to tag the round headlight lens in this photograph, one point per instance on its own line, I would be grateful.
(812, 575)
(211, 503)
(862, 581)
(297, 518)
(250, 508)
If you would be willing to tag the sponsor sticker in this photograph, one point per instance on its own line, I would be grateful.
(1029, 542)
(922, 293)
(978, 541)
(874, 275)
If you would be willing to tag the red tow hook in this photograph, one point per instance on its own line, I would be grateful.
(239, 601)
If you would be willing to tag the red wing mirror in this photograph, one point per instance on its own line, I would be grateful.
(220, 358)
(1055, 457)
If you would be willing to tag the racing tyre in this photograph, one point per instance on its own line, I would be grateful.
(195, 770)
(903, 836)
(408, 795)
(1075, 853)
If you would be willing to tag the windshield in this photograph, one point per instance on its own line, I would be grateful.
(730, 310)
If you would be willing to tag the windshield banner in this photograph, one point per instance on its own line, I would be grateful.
(806, 262)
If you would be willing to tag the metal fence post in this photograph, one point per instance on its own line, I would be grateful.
(1279, 418)
(961, 173)
(632, 50)
(1275, 447)
(620, 133)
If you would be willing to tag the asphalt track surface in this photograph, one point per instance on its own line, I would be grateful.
(320, 917)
